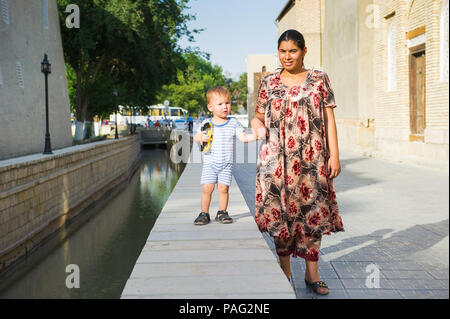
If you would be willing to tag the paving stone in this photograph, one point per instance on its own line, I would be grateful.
(360, 283)
(374, 294)
(438, 272)
(418, 284)
(424, 294)
(407, 274)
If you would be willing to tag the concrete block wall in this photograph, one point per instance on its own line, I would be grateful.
(28, 29)
(39, 194)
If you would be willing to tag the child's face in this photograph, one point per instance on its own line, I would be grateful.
(220, 105)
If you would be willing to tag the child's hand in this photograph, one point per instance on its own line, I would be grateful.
(201, 137)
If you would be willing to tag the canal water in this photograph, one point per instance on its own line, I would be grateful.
(104, 243)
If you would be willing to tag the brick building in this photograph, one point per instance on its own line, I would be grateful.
(388, 65)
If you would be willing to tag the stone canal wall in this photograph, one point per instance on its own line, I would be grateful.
(39, 193)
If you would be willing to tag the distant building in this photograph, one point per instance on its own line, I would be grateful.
(257, 65)
(28, 29)
(388, 65)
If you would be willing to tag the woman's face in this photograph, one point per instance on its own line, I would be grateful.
(291, 56)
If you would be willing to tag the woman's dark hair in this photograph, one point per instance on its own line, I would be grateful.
(293, 35)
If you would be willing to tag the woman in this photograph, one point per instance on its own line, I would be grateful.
(295, 197)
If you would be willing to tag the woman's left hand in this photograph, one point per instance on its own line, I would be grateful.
(334, 166)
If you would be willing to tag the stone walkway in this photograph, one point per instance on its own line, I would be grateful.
(181, 260)
(395, 217)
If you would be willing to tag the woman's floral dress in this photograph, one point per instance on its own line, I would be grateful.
(295, 200)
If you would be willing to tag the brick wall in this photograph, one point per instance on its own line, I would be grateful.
(38, 196)
(392, 111)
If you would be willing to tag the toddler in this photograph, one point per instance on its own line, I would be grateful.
(218, 160)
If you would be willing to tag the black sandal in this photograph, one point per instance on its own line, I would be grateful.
(202, 219)
(314, 286)
(223, 218)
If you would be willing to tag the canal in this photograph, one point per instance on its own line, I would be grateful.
(104, 243)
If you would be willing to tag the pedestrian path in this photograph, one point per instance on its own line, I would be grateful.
(181, 260)
(396, 227)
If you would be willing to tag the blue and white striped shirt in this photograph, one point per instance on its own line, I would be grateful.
(224, 138)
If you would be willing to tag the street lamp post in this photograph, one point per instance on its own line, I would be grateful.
(46, 69)
(116, 137)
(131, 120)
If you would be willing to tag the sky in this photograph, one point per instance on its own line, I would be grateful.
(233, 30)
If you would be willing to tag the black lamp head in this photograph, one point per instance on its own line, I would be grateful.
(46, 67)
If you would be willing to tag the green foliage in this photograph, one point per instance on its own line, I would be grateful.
(199, 75)
(239, 91)
(128, 42)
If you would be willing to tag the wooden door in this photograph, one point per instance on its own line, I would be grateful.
(417, 93)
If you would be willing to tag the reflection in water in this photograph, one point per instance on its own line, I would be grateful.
(105, 243)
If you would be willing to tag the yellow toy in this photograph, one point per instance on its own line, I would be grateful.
(208, 129)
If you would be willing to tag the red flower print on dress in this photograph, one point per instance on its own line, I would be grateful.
(324, 212)
(288, 113)
(298, 229)
(318, 145)
(260, 222)
(292, 208)
(264, 152)
(273, 146)
(305, 191)
(316, 101)
(277, 103)
(294, 104)
(291, 142)
(278, 171)
(263, 94)
(324, 94)
(276, 213)
(332, 195)
(288, 180)
(323, 170)
(284, 234)
(313, 254)
(294, 91)
(309, 153)
(322, 131)
(314, 219)
(284, 199)
(267, 219)
(259, 197)
(283, 132)
(301, 124)
(275, 81)
(296, 167)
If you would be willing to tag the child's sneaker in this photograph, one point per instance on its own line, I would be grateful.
(223, 218)
(202, 219)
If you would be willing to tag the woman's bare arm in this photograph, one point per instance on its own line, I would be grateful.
(257, 123)
(334, 166)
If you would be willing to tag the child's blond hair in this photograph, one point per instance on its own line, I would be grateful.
(219, 90)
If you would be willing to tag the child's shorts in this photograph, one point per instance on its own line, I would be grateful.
(213, 173)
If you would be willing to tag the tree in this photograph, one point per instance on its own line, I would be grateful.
(125, 43)
(239, 91)
(192, 83)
